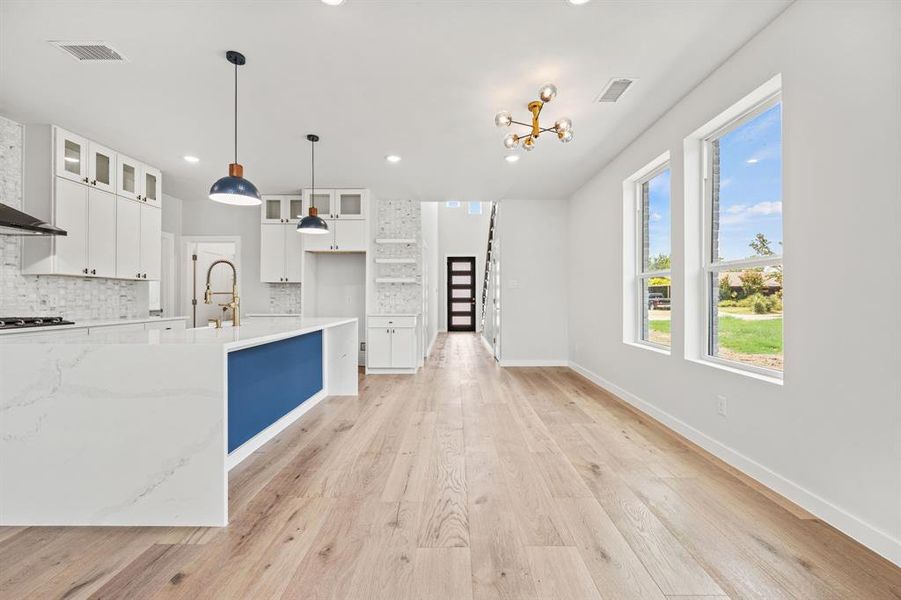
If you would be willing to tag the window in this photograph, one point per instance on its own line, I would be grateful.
(475, 208)
(653, 253)
(743, 239)
(453, 204)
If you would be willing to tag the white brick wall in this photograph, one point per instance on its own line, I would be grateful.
(30, 295)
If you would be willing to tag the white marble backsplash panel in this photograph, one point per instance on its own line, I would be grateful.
(399, 219)
(31, 295)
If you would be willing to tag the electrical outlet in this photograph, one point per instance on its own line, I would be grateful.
(721, 405)
(362, 346)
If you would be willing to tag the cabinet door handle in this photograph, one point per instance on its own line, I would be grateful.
(85, 270)
(93, 182)
(138, 276)
(86, 180)
(93, 271)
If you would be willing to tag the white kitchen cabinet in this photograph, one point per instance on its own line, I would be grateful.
(101, 167)
(101, 233)
(128, 178)
(350, 236)
(351, 204)
(70, 252)
(392, 344)
(323, 200)
(281, 250)
(151, 242)
(378, 348)
(80, 185)
(128, 239)
(152, 192)
(89, 217)
(282, 209)
(71, 152)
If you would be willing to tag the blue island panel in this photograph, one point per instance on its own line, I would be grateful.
(267, 382)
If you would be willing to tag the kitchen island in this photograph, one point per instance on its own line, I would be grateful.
(141, 427)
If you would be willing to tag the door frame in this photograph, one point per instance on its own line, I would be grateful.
(450, 286)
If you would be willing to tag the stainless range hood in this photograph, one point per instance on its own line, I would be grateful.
(15, 222)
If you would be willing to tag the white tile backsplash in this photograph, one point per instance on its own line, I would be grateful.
(48, 295)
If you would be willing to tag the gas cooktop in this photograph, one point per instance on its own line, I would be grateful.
(23, 322)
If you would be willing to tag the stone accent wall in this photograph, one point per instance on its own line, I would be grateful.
(31, 295)
(284, 298)
(399, 219)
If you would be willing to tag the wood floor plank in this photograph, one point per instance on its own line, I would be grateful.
(560, 574)
(442, 573)
(466, 480)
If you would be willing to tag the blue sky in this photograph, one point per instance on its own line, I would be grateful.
(660, 218)
(750, 190)
(751, 185)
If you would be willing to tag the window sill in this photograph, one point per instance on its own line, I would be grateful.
(652, 347)
(708, 362)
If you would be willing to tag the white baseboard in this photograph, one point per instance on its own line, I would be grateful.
(875, 539)
(533, 362)
(247, 448)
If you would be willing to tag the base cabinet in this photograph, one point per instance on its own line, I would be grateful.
(392, 343)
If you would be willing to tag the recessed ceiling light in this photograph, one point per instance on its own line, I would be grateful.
(192, 159)
(392, 158)
(752, 161)
(333, 2)
(576, 2)
(511, 158)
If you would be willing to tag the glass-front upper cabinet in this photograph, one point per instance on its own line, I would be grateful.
(282, 209)
(350, 204)
(102, 167)
(128, 178)
(71, 156)
(323, 200)
(153, 186)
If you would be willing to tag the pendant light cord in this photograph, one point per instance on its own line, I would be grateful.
(313, 172)
(236, 112)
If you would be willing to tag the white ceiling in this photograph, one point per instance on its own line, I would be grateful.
(422, 79)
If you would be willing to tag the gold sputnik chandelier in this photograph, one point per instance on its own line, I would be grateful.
(563, 128)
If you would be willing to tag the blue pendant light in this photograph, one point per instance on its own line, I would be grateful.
(312, 223)
(234, 189)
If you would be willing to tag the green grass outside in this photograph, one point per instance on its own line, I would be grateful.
(746, 337)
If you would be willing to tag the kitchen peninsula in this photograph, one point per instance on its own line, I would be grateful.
(141, 427)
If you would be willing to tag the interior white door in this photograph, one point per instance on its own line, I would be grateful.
(378, 348)
(350, 236)
(102, 167)
(128, 239)
(71, 156)
(101, 233)
(71, 214)
(272, 252)
(153, 186)
(293, 253)
(403, 348)
(151, 242)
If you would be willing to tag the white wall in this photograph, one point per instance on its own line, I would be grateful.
(830, 437)
(461, 234)
(429, 217)
(533, 239)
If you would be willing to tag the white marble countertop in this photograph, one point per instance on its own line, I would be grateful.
(88, 324)
(413, 314)
(256, 332)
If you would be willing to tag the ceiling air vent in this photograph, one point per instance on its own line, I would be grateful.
(614, 89)
(93, 51)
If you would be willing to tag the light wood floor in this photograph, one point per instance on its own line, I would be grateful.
(466, 481)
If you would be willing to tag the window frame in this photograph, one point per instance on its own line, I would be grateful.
(470, 205)
(641, 275)
(452, 204)
(711, 268)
